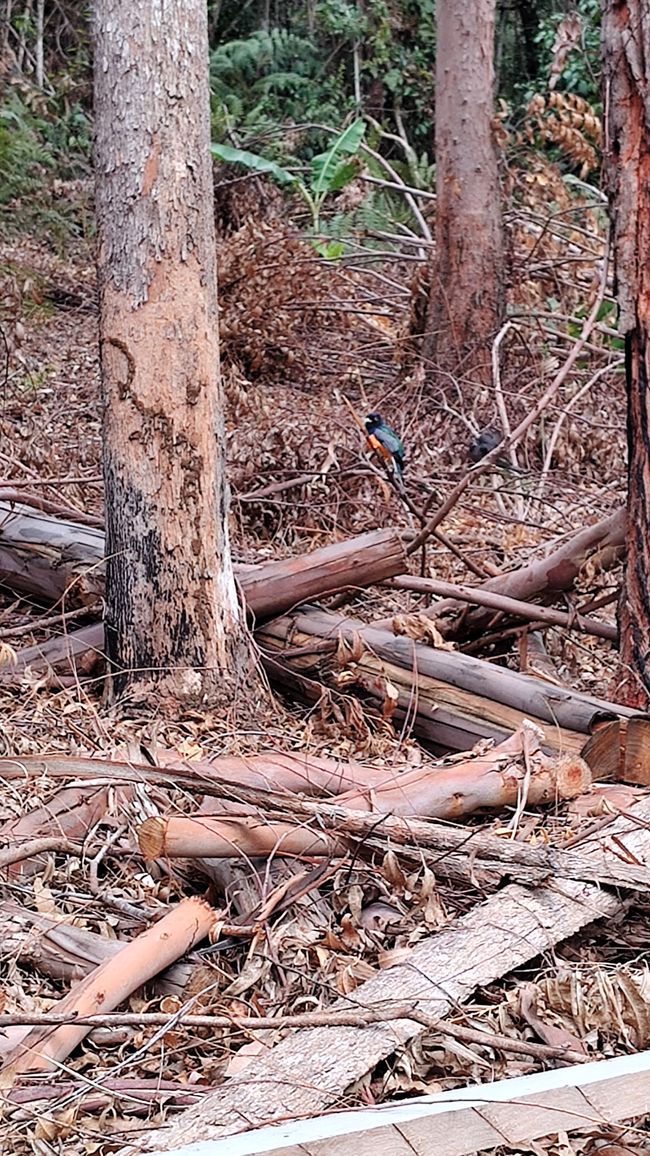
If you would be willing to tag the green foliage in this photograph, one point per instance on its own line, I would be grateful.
(24, 155)
(580, 71)
(272, 78)
(329, 171)
(40, 139)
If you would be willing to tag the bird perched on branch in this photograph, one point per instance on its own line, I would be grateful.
(385, 442)
(483, 445)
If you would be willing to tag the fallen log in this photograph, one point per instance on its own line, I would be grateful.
(66, 952)
(69, 814)
(516, 768)
(461, 852)
(453, 699)
(49, 558)
(200, 836)
(308, 1072)
(109, 984)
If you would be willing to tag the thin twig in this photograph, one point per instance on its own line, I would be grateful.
(359, 1018)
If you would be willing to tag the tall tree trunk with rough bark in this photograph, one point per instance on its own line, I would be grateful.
(172, 616)
(626, 59)
(466, 295)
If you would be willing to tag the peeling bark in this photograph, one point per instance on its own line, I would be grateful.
(467, 284)
(626, 62)
(172, 616)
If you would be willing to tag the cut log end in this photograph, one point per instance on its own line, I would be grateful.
(151, 837)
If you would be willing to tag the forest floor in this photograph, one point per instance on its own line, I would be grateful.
(298, 337)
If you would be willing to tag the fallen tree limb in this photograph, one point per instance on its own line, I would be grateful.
(9, 856)
(28, 1103)
(378, 658)
(197, 836)
(64, 951)
(515, 768)
(480, 596)
(109, 984)
(461, 852)
(359, 1018)
(68, 816)
(308, 1072)
(49, 558)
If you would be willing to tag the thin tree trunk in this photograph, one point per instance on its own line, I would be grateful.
(626, 59)
(172, 613)
(40, 11)
(466, 295)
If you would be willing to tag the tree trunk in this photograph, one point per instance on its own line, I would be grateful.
(466, 295)
(172, 614)
(626, 60)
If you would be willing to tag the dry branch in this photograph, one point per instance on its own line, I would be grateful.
(481, 596)
(67, 952)
(355, 1018)
(497, 779)
(198, 836)
(111, 983)
(67, 816)
(461, 852)
(546, 575)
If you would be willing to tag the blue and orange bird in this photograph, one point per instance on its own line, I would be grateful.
(385, 442)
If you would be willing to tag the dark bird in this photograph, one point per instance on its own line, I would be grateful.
(385, 442)
(483, 445)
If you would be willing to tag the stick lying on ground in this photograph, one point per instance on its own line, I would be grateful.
(545, 574)
(481, 596)
(500, 778)
(109, 984)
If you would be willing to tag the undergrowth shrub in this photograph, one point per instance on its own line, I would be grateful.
(44, 142)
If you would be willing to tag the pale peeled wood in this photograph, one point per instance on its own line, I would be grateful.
(198, 836)
(109, 984)
(307, 1072)
(468, 849)
(621, 750)
(464, 1121)
(496, 779)
(46, 556)
(64, 951)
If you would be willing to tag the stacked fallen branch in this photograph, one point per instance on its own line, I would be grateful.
(544, 575)
(308, 1072)
(453, 960)
(449, 699)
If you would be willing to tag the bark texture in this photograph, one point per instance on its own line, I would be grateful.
(466, 294)
(172, 613)
(626, 59)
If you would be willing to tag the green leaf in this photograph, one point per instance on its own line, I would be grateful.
(330, 250)
(254, 162)
(343, 174)
(325, 167)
